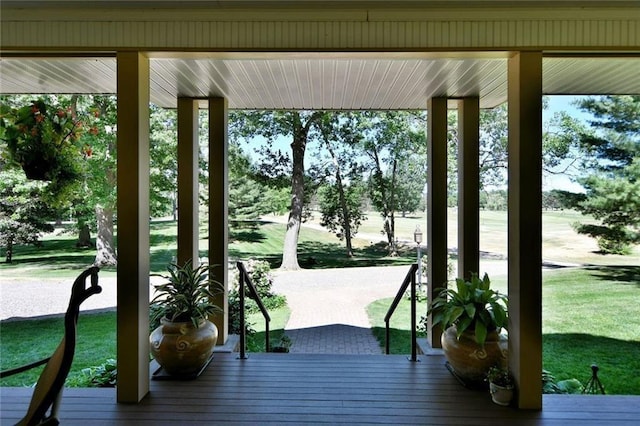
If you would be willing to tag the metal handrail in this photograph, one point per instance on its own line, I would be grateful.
(409, 279)
(245, 279)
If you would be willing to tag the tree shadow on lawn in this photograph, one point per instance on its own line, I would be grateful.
(622, 274)
(162, 240)
(54, 253)
(317, 255)
(570, 355)
(246, 236)
(160, 259)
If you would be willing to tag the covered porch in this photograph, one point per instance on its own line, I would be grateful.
(312, 389)
(371, 56)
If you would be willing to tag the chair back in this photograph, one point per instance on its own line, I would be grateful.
(48, 389)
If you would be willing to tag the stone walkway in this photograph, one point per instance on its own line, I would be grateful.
(328, 307)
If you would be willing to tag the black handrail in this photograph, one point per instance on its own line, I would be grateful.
(245, 279)
(409, 279)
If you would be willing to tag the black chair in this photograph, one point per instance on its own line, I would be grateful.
(48, 391)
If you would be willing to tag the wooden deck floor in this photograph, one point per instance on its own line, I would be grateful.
(301, 389)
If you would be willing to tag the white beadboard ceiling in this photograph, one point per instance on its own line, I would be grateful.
(322, 81)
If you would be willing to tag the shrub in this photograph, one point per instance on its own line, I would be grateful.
(260, 274)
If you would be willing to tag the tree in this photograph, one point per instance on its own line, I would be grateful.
(493, 140)
(163, 159)
(612, 166)
(493, 146)
(246, 194)
(341, 201)
(341, 209)
(392, 141)
(100, 178)
(297, 125)
(23, 214)
(84, 178)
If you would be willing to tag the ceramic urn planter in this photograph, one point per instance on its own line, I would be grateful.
(469, 360)
(180, 348)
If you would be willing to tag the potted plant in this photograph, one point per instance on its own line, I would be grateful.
(501, 385)
(183, 343)
(472, 316)
(42, 139)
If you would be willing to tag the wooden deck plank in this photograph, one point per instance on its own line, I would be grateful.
(322, 389)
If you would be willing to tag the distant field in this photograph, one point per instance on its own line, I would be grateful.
(560, 242)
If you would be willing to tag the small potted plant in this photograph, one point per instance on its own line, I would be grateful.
(183, 343)
(472, 315)
(501, 385)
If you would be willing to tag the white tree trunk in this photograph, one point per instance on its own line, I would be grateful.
(290, 251)
(106, 255)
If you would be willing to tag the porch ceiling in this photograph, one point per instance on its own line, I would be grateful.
(322, 80)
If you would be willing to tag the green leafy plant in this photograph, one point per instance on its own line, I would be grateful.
(500, 376)
(260, 274)
(101, 376)
(187, 294)
(550, 385)
(471, 306)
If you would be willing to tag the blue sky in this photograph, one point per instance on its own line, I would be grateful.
(557, 104)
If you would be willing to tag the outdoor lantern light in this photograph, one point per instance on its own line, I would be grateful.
(417, 235)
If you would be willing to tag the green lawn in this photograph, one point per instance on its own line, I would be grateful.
(58, 257)
(593, 316)
(559, 241)
(31, 340)
(279, 318)
(399, 324)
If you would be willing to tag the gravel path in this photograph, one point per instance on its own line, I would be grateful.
(24, 298)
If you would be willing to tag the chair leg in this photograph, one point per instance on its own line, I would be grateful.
(53, 417)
